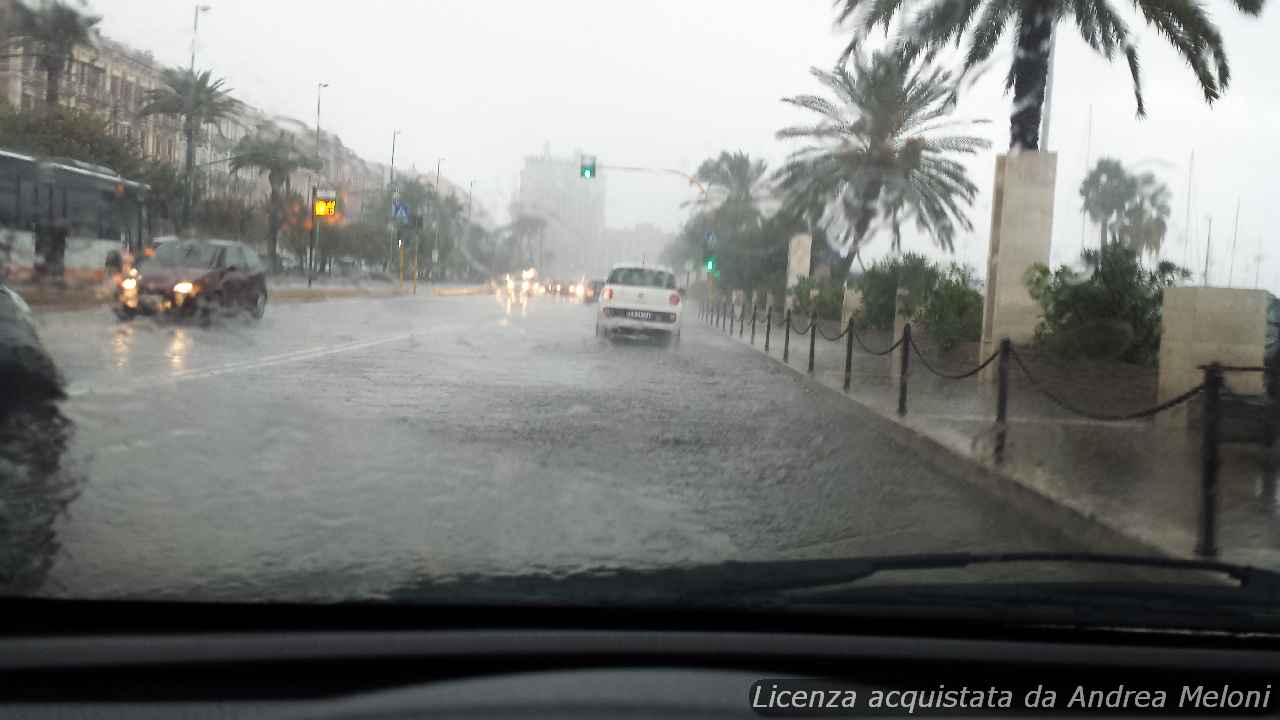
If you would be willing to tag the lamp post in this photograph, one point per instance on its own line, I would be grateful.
(315, 194)
(195, 32)
(391, 191)
(435, 254)
(191, 102)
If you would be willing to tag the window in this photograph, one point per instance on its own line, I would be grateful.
(185, 254)
(232, 257)
(642, 277)
(252, 261)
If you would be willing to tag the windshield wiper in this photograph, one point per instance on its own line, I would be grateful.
(813, 574)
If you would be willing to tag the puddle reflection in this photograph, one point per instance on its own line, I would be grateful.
(179, 347)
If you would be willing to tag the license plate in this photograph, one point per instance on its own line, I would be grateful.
(639, 315)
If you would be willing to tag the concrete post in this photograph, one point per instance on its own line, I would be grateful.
(798, 261)
(1021, 231)
(1204, 325)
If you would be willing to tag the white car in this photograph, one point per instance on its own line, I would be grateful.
(640, 300)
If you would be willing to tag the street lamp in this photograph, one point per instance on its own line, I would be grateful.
(319, 86)
(435, 254)
(195, 32)
(391, 227)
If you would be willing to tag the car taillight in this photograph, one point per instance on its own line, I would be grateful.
(607, 294)
(675, 298)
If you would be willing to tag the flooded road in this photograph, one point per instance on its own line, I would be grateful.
(352, 448)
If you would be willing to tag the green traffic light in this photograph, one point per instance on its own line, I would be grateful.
(711, 264)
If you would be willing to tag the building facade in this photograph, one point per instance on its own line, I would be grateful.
(573, 242)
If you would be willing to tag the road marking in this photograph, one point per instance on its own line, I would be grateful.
(202, 373)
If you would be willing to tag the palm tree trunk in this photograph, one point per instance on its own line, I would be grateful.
(189, 132)
(1030, 72)
(840, 268)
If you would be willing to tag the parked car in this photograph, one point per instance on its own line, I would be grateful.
(195, 278)
(27, 372)
(640, 300)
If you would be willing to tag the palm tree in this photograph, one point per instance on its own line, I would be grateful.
(879, 153)
(1106, 191)
(940, 23)
(199, 100)
(56, 29)
(1130, 209)
(734, 186)
(275, 153)
(1146, 221)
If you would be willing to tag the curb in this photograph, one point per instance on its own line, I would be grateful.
(1073, 524)
(453, 292)
(82, 301)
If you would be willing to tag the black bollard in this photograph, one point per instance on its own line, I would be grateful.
(906, 363)
(786, 339)
(1002, 397)
(813, 339)
(754, 308)
(848, 355)
(768, 326)
(1210, 416)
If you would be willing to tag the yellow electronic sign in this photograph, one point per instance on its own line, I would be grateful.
(326, 208)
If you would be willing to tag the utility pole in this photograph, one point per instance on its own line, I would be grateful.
(188, 191)
(1208, 250)
(1235, 236)
(1186, 231)
(315, 194)
(435, 254)
(391, 192)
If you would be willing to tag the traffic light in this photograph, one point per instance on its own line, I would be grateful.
(710, 263)
(587, 167)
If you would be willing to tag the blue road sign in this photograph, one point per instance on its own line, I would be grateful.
(400, 212)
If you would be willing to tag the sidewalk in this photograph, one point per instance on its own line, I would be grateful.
(51, 298)
(1136, 478)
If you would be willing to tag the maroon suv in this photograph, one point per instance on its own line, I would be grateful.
(195, 278)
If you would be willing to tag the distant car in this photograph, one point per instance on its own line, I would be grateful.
(640, 300)
(195, 278)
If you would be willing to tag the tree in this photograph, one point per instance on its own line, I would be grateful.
(55, 29)
(940, 23)
(198, 100)
(878, 153)
(1130, 209)
(734, 183)
(275, 153)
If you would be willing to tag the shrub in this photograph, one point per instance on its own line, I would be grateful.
(1111, 312)
(828, 302)
(953, 313)
(879, 286)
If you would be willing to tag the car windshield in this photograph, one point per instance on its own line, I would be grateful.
(645, 302)
(642, 277)
(184, 254)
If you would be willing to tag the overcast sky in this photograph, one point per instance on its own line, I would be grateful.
(666, 83)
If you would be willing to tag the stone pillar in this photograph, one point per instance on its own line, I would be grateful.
(798, 261)
(852, 304)
(1021, 231)
(1200, 325)
(901, 316)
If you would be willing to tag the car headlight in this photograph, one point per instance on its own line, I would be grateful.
(129, 283)
(183, 288)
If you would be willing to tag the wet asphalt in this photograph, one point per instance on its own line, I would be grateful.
(353, 448)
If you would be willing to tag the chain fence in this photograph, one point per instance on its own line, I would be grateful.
(1210, 392)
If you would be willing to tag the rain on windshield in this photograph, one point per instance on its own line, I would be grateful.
(347, 313)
